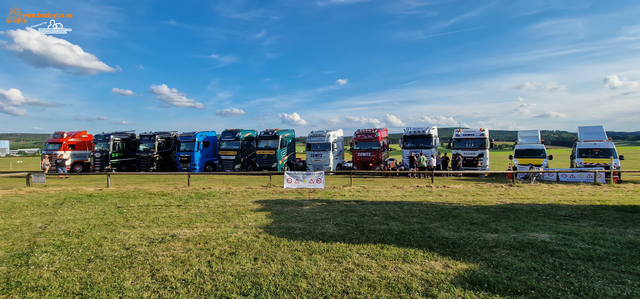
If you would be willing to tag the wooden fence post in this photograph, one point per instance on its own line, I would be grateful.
(108, 180)
(269, 178)
(432, 176)
(189, 180)
(611, 168)
(350, 178)
(513, 175)
(28, 180)
(595, 177)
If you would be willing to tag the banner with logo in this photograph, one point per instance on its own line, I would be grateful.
(582, 177)
(304, 179)
(543, 176)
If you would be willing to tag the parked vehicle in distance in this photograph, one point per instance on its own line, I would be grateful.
(370, 149)
(197, 151)
(418, 140)
(238, 150)
(593, 148)
(325, 150)
(276, 149)
(530, 149)
(75, 144)
(473, 145)
(157, 151)
(114, 151)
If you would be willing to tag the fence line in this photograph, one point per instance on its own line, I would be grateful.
(351, 173)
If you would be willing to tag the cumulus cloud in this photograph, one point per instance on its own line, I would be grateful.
(551, 86)
(41, 50)
(393, 121)
(613, 82)
(230, 112)
(124, 122)
(11, 98)
(123, 92)
(292, 119)
(342, 81)
(172, 97)
(523, 108)
(37, 129)
(551, 114)
(439, 120)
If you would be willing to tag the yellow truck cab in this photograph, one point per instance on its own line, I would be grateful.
(530, 149)
(594, 149)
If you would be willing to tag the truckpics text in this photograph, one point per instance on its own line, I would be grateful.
(325, 150)
(114, 151)
(418, 140)
(529, 150)
(198, 151)
(276, 149)
(370, 149)
(157, 151)
(594, 149)
(238, 149)
(76, 145)
(473, 145)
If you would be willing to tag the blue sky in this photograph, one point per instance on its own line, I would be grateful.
(327, 64)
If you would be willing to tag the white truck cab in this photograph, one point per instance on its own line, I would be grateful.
(594, 149)
(473, 145)
(325, 150)
(530, 149)
(418, 140)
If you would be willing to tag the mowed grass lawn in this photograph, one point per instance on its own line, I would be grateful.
(229, 237)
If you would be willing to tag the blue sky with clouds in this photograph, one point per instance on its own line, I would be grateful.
(308, 65)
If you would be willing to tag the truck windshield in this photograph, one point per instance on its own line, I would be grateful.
(530, 153)
(101, 146)
(268, 143)
(119, 145)
(318, 146)
(147, 147)
(470, 143)
(187, 146)
(230, 144)
(597, 153)
(372, 145)
(415, 143)
(53, 146)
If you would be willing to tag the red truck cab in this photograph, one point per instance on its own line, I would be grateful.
(370, 149)
(76, 145)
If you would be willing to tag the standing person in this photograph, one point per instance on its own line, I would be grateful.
(431, 165)
(459, 164)
(412, 165)
(445, 163)
(422, 165)
(438, 162)
(61, 165)
(454, 163)
(45, 164)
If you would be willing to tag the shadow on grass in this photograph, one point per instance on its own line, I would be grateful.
(533, 250)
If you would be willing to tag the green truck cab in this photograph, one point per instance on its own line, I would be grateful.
(238, 149)
(276, 149)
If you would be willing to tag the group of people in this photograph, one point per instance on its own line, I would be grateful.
(61, 165)
(423, 163)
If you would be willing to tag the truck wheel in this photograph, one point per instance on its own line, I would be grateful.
(209, 167)
(123, 168)
(77, 167)
(286, 167)
(250, 167)
(339, 167)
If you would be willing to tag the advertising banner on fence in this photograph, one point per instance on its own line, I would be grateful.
(544, 176)
(582, 177)
(304, 179)
(39, 178)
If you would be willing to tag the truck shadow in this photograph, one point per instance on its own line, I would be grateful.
(520, 249)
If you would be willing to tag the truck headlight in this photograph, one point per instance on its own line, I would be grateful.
(237, 166)
(274, 164)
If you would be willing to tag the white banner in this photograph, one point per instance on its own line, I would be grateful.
(39, 178)
(582, 177)
(543, 176)
(304, 179)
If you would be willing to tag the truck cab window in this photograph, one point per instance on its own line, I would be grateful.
(205, 144)
(72, 147)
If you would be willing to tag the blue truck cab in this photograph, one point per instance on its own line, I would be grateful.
(198, 152)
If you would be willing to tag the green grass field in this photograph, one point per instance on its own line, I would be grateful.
(232, 236)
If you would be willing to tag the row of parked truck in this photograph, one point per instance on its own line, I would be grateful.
(274, 149)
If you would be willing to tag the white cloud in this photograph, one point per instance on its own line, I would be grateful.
(551, 114)
(394, 121)
(230, 112)
(41, 50)
(348, 121)
(439, 120)
(124, 122)
(523, 108)
(12, 97)
(139, 66)
(342, 81)
(118, 68)
(224, 59)
(93, 119)
(292, 119)
(341, 2)
(613, 82)
(551, 86)
(124, 92)
(37, 129)
(172, 97)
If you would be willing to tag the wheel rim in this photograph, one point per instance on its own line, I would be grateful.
(78, 168)
(208, 168)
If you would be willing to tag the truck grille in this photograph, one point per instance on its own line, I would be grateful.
(144, 163)
(266, 160)
(469, 163)
(101, 163)
(185, 161)
(228, 164)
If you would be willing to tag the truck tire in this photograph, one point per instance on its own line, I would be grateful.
(250, 167)
(286, 167)
(209, 167)
(78, 167)
(339, 167)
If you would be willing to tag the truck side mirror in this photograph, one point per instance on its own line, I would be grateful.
(351, 144)
(621, 157)
(491, 144)
(334, 146)
(510, 157)
(400, 142)
(449, 144)
(550, 157)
